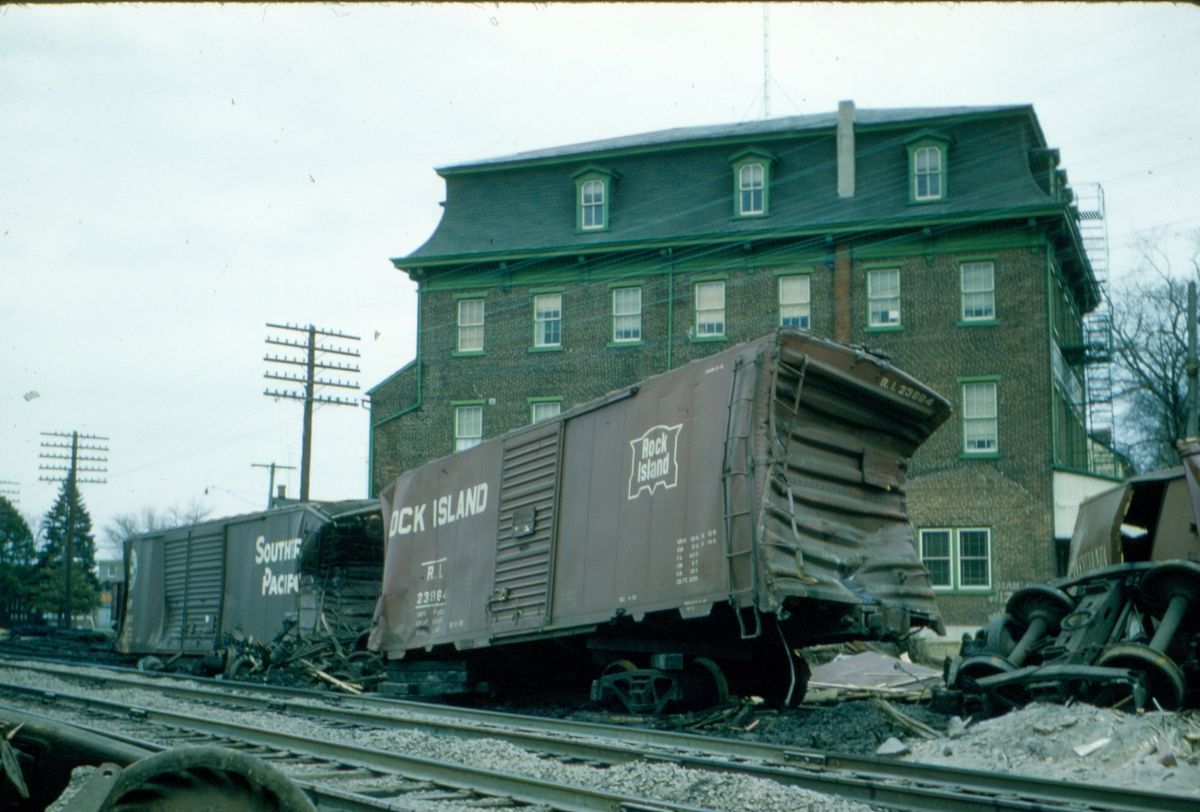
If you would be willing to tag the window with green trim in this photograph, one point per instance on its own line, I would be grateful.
(974, 558)
(752, 189)
(544, 410)
(883, 297)
(592, 205)
(751, 173)
(979, 418)
(470, 325)
(468, 427)
(627, 314)
(547, 320)
(935, 553)
(794, 293)
(710, 309)
(978, 291)
(957, 558)
(927, 173)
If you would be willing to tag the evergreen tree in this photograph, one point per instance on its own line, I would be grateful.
(17, 558)
(50, 585)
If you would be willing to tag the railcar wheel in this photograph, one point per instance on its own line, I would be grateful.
(1165, 682)
(705, 685)
(619, 667)
(983, 665)
(999, 635)
(193, 779)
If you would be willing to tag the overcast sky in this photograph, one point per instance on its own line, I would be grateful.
(173, 177)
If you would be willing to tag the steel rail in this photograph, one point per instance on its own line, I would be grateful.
(464, 777)
(324, 797)
(898, 784)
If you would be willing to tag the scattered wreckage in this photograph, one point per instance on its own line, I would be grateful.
(1123, 626)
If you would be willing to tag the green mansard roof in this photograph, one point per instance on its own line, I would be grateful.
(675, 187)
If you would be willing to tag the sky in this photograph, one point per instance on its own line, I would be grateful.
(173, 178)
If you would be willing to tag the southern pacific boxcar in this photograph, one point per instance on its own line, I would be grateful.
(693, 529)
(249, 575)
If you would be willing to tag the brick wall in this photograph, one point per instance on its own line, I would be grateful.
(1010, 494)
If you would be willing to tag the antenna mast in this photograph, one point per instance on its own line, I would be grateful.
(766, 47)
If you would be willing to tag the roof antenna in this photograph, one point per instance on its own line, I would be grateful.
(766, 47)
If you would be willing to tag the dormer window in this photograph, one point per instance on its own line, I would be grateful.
(591, 204)
(751, 189)
(752, 182)
(927, 166)
(593, 198)
(927, 173)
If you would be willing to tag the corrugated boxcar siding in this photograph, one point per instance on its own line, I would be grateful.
(834, 519)
(174, 590)
(194, 572)
(529, 479)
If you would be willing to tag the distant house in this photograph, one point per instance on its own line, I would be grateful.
(945, 237)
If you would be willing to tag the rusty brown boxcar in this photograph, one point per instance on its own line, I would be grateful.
(242, 575)
(694, 529)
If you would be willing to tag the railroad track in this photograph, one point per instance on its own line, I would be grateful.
(879, 782)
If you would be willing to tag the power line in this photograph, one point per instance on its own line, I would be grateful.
(9, 490)
(273, 467)
(68, 468)
(313, 341)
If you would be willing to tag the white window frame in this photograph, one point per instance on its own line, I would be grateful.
(540, 410)
(948, 557)
(879, 312)
(470, 325)
(978, 301)
(710, 319)
(980, 417)
(795, 304)
(927, 172)
(956, 558)
(593, 201)
(547, 320)
(752, 189)
(964, 559)
(626, 315)
(468, 426)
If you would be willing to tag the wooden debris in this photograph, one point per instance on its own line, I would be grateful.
(1085, 750)
(332, 680)
(904, 720)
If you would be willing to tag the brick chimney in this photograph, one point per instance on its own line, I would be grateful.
(845, 148)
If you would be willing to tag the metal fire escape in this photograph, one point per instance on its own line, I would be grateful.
(1097, 333)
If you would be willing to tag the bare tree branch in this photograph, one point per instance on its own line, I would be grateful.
(1150, 344)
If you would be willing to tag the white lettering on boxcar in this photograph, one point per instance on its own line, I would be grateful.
(277, 552)
(269, 552)
(443, 510)
(654, 460)
(283, 583)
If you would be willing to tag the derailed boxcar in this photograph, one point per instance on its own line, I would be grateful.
(696, 527)
(1123, 625)
(242, 576)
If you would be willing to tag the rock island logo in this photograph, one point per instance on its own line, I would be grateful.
(653, 460)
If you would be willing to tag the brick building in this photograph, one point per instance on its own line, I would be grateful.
(945, 237)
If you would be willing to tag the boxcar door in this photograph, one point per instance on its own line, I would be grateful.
(193, 574)
(521, 583)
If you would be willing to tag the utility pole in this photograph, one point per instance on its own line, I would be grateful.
(69, 468)
(311, 344)
(1193, 392)
(271, 487)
